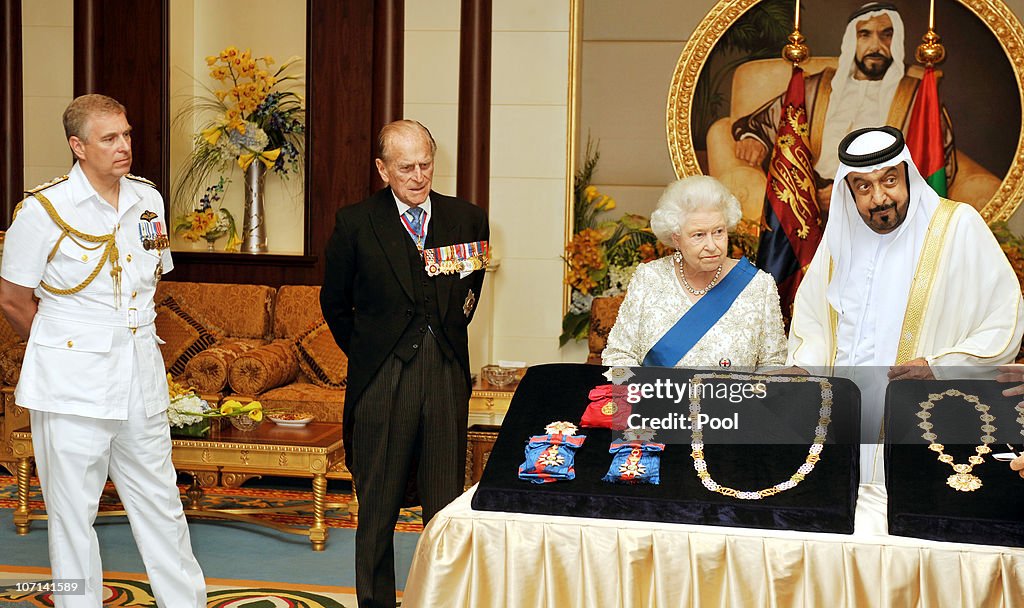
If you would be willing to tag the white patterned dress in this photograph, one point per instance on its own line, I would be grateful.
(748, 336)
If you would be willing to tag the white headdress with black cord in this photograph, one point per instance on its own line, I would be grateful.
(838, 112)
(868, 264)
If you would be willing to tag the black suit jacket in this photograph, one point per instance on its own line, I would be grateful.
(367, 296)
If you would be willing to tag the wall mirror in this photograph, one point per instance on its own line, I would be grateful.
(199, 29)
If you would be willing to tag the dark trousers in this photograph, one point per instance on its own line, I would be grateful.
(411, 411)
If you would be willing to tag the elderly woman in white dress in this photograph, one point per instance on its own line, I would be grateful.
(698, 307)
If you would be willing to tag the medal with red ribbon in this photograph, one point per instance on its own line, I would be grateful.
(461, 258)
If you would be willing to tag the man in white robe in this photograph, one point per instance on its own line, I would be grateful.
(903, 285)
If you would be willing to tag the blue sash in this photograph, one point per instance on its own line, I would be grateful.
(701, 317)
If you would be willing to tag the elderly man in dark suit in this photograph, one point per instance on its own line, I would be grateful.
(401, 317)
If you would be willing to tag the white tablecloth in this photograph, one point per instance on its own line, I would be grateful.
(481, 559)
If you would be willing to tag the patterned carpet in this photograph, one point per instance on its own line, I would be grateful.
(336, 515)
(123, 589)
(127, 588)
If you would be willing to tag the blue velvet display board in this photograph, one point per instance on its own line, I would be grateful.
(921, 504)
(772, 442)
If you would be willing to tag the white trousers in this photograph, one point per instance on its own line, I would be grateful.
(74, 456)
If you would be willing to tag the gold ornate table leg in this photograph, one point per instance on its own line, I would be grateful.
(318, 531)
(21, 514)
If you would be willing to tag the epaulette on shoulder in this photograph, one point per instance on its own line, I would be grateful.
(136, 178)
(41, 187)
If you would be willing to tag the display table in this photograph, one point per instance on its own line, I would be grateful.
(483, 559)
(774, 432)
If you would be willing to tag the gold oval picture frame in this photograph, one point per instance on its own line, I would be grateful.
(1007, 34)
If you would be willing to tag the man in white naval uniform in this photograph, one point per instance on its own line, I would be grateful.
(91, 247)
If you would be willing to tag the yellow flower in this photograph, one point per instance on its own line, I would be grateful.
(607, 204)
(212, 59)
(175, 389)
(256, 415)
(590, 193)
(213, 134)
(233, 244)
(583, 255)
(230, 408)
(268, 157)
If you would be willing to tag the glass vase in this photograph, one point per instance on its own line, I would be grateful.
(196, 430)
(244, 423)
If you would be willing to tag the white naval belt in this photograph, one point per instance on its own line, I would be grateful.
(131, 318)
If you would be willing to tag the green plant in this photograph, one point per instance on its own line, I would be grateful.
(1012, 245)
(602, 255)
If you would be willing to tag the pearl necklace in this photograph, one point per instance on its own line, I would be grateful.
(962, 479)
(686, 284)
(813, 454)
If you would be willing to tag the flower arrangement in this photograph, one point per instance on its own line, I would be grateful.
(1013, 246)
(190, 414)
(209, 222)
(253, 117)
(745, 239)
(602, 255)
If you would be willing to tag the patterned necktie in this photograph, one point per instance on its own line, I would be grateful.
(414, 225)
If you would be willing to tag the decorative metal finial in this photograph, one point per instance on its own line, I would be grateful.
(796, 51)
(930, 51)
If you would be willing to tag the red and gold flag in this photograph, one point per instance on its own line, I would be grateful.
(792, 222)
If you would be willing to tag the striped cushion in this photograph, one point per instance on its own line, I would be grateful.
(320, 359)
(183, 334)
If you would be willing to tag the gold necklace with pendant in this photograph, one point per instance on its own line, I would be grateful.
(962, 480)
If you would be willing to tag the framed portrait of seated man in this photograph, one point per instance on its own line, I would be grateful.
(722, 114)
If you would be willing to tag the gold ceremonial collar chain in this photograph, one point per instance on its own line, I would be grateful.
(962, 480)
(813, 454)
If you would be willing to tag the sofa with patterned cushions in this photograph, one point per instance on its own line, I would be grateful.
(227, 340)
(300, 368)
(12, 351)
(196, 319)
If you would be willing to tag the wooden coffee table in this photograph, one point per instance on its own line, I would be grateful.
(306, 452)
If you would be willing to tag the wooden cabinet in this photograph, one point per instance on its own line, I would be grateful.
(487, 407)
